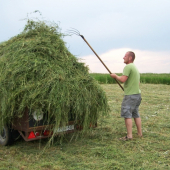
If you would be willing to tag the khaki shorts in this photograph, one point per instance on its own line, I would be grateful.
(130, 106)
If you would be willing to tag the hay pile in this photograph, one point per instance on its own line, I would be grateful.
(38, 72)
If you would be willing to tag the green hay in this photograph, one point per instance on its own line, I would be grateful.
(38, 72)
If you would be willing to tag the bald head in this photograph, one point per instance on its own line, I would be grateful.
(131, 54)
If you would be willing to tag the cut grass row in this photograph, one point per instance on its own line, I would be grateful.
(147, 78)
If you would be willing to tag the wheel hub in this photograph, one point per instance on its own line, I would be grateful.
(3, 135)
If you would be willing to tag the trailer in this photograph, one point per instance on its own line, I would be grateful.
(32, 127)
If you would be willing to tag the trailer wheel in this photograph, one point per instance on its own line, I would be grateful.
(6, 137)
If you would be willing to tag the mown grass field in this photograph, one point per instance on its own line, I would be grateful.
(150, 78)
(101, 149)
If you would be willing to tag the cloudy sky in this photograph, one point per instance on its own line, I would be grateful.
(111, 27)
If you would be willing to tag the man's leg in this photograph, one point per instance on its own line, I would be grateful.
(139, 126)
(128, 123)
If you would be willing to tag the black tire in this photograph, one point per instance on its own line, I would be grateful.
(15, 134)
(6, 136)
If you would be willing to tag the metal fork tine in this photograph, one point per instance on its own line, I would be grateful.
(73, 32)
(76, 30)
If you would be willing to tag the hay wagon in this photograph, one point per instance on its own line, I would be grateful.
(32, 127)
(38, 71)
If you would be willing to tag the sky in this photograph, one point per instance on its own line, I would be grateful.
(111, 27)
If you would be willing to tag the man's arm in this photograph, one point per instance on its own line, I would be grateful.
(122, 78)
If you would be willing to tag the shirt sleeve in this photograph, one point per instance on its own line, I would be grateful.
(126, 71)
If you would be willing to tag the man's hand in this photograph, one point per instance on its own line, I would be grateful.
(113, 75)
(122, 79)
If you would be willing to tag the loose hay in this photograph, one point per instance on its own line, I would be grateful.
(37, 71)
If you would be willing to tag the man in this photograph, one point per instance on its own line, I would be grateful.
(132, 98)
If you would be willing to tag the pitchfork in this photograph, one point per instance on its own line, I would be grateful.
(76, 32)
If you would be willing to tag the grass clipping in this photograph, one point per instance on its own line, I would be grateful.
(38, 72)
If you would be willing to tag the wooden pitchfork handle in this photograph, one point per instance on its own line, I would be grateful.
(100, 60)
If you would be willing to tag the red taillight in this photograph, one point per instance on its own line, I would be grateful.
(79, 127)
(37, 134)
(31, 135)
(47, 133)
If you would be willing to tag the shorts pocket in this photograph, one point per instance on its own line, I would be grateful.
(135, 100)
(139, 101)
(126, 111)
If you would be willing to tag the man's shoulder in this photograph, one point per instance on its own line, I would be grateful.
(129, 66)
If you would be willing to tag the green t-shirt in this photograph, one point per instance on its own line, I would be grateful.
(131, 86)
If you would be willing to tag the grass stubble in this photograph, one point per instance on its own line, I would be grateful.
(101, 149)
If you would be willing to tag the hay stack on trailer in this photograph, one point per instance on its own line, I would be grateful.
(38, 72)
